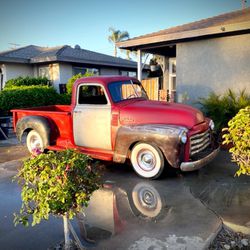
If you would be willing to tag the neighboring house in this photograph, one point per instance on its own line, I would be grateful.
(212, 54)
(58, 64)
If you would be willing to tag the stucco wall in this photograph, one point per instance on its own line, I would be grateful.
(213, 65)
(66, 72)
(16, 70)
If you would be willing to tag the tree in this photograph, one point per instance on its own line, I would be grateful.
(72, 80)
(57, 183)
(117, 36)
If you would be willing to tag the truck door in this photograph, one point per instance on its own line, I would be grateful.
(92, 117)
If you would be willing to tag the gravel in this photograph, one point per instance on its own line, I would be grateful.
(227, 240)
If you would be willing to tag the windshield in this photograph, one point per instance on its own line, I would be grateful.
(126, 90)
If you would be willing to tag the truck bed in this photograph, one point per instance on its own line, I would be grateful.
(59, 117)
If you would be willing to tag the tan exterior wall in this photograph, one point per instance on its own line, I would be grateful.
(213, 65)
(53, 75)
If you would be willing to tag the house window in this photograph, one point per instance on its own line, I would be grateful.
(127, 73)
(78, 70)
(44, 72)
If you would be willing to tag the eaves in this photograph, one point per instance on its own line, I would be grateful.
(4, 59)
(217, 31)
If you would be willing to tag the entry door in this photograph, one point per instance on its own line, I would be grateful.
(92, 118)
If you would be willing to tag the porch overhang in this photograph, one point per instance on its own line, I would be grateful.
(161, 43)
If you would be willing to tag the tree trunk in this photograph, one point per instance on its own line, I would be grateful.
(66, 232)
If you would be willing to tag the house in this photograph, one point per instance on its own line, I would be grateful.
(58, 64)
(196, 58)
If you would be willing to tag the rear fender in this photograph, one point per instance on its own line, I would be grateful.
(38, 123)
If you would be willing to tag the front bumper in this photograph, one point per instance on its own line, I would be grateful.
(194, 165)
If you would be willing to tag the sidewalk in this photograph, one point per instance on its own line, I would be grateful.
(11, 155)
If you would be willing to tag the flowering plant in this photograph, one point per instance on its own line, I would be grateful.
(57, 183)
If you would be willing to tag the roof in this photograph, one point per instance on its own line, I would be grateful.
(236, 22)
(35, 54)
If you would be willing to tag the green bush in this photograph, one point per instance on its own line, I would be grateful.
(57, 183)
(63, 99)
(71, 81)
(29, 96)
(238, 134)
(26, 81)
(222, 108)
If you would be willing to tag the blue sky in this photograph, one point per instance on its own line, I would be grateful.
(61, 22)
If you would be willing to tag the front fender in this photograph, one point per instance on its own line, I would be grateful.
(166, 137)
(38, 123)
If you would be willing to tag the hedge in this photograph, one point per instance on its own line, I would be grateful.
(26, 81)
(30, 96)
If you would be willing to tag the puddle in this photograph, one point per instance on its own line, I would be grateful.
(128, 211)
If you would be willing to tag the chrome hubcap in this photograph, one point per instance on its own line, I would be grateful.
(35, 143)
(146, 160)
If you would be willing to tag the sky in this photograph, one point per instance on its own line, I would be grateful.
(86, 23)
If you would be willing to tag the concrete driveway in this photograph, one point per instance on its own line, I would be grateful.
(175, 212)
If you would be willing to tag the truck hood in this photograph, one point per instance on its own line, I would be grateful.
(154, 112)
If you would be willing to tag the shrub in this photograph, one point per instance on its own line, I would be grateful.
(238, 134)
(64, 99)
(222, 108)
(72, 80)
(57, 183)
(26, 81)
(29, 96)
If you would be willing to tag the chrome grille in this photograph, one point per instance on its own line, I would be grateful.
(198, 142)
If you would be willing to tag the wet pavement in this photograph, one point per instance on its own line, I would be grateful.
(175, 212)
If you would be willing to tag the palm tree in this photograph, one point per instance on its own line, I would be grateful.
(117, 36)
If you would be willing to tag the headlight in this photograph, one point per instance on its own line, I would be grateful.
(183, 137)
(211, 124)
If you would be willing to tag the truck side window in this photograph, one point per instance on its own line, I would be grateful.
(91, 94)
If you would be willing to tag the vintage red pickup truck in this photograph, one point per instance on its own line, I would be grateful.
(110, 118)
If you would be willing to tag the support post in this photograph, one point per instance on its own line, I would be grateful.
(139, 65)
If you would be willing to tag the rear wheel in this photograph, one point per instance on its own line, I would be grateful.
(147, 160)
(34, 141)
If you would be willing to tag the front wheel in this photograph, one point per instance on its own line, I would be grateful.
(147, 160)
(34, 141)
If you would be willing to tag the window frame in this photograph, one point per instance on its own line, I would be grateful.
(42, 68)
(92, 84)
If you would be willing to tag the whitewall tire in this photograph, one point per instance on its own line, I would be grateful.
(34, 141)
(147, 160)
